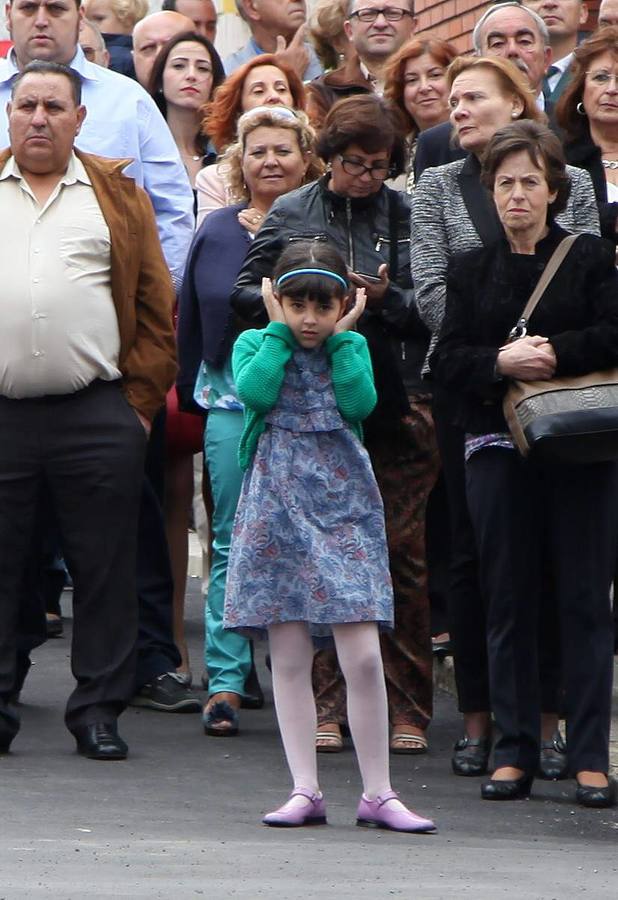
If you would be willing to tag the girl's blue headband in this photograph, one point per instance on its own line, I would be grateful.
(326, 272)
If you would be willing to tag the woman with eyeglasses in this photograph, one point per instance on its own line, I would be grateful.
(588, 112)
(273, 155)
(362, 144)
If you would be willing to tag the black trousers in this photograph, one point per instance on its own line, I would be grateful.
(87, 448)
(526, 516)
(466, 603)
(466, 612)
(156, 651)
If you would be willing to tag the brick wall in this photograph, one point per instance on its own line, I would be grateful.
(454, 20)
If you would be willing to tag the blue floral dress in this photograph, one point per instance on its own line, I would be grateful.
(309, 540)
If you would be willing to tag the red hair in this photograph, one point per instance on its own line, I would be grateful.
(443, 53)
(222, 112)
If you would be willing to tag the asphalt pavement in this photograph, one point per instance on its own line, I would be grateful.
(181, 817)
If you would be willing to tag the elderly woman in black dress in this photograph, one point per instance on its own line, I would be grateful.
(531, 515)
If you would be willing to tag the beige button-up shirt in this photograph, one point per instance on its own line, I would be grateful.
(59, 325)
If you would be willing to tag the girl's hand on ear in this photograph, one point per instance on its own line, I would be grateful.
(347, 322)
(273, 307)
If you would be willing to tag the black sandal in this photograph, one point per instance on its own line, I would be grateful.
(221, 711)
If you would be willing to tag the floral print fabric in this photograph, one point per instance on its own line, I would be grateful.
(309, 541)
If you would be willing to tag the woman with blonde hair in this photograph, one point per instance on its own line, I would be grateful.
(327, 34)
(263, 81)
(453, 213)
(116, 20)
(273, 155)
(527, 514)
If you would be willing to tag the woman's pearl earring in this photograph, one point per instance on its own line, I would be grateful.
(514, 115)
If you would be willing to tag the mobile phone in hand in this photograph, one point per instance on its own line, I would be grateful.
(372, 279)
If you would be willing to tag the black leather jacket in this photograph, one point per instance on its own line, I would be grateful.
(367, 232)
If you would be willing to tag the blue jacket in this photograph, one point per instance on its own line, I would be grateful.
(205, 319)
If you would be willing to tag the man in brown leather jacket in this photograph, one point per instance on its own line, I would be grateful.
(87, 349)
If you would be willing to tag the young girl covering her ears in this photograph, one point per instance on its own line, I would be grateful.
(308, 556)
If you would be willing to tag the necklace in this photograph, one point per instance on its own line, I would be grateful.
(610, 163)
(189, 156)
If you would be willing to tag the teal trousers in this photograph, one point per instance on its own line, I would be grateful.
(227, 655)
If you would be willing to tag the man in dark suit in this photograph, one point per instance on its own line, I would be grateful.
(509, 30)
(563, 19)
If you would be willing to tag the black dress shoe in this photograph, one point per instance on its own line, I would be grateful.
(595, 797)
(553, 763)
(100, 741)
(517, 789)
(441, 649)
(471, 756)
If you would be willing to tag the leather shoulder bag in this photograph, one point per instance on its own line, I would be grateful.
(567, 419)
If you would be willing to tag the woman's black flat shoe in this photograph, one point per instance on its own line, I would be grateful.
(518, 789)
(553, 763)
(471, 756)
(595, 797)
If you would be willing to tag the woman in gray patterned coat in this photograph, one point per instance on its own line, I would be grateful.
(453, 213)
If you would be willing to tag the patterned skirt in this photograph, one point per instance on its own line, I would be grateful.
(309, 542)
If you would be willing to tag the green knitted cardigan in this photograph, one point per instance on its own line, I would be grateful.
(259, 359)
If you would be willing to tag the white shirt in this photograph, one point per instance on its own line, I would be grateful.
(561, 65)
(59, 324)
(377, 86)
(612, 192)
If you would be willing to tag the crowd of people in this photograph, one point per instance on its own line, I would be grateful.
(309, 261)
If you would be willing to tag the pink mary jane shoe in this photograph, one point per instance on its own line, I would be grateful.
(376, 814)
(313, 813)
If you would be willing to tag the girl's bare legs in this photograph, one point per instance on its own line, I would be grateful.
(291, 655)
(178, 500)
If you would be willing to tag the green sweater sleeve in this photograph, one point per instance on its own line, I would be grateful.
(259, 359)
(352, 375)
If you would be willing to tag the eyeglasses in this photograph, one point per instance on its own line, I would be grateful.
(390, 13)
(378, 172)
(600, 77)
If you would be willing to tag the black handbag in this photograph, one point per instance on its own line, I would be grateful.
(566, 419)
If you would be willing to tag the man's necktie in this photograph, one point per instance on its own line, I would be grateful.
(547, 91)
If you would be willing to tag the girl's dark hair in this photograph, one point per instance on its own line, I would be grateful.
(316, 254)
(368, 121)
(155, 83)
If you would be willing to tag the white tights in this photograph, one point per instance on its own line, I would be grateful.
(358, 649)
